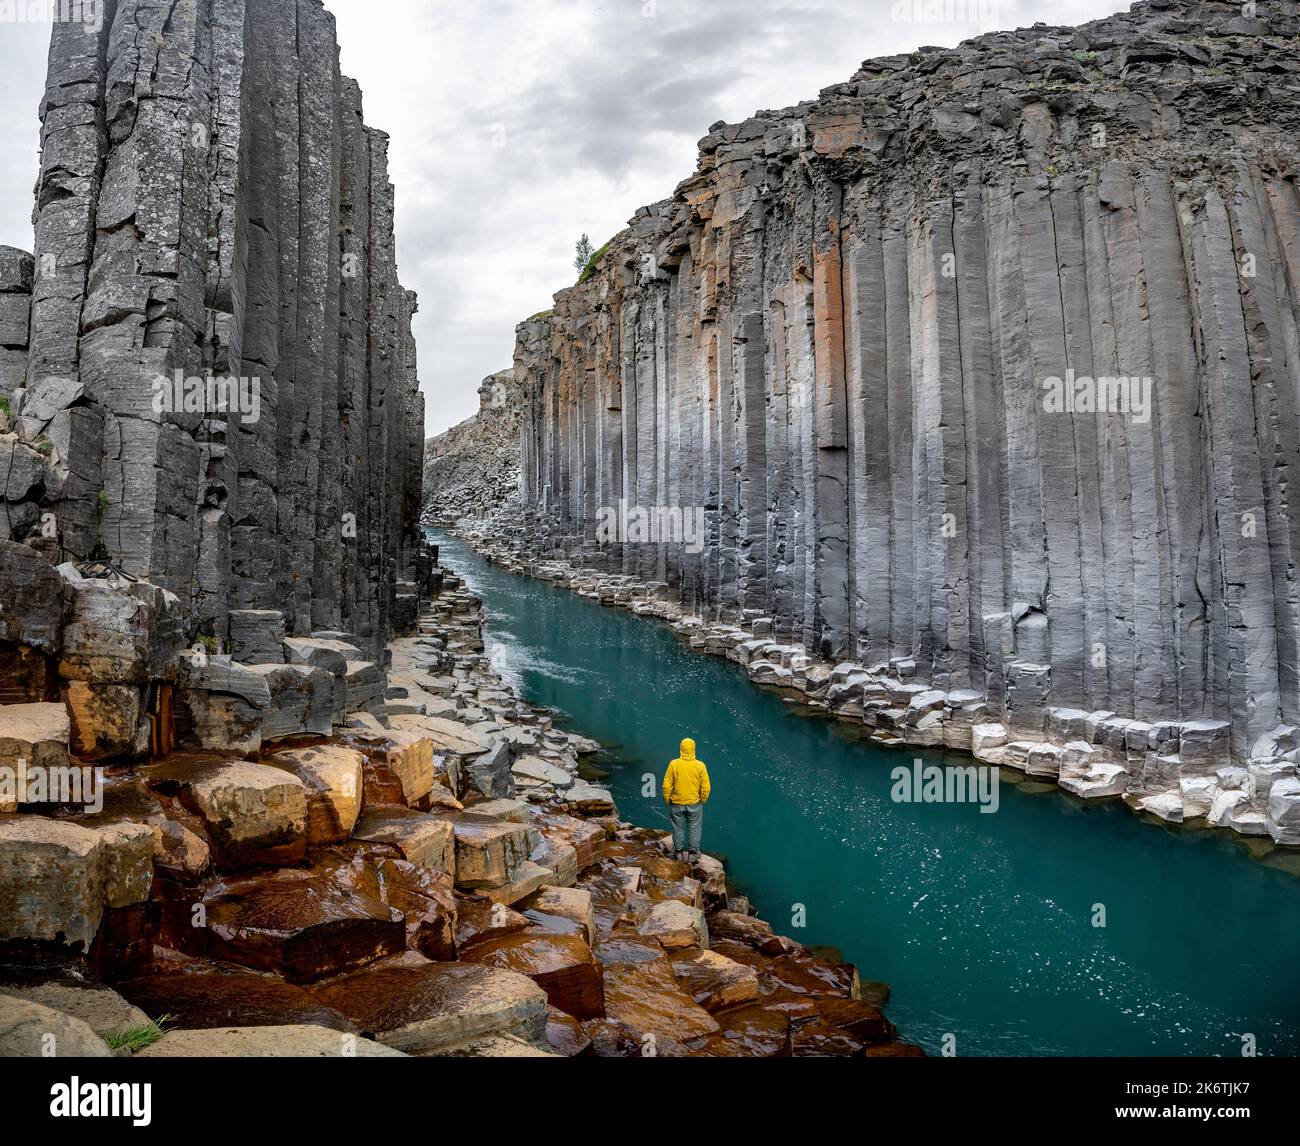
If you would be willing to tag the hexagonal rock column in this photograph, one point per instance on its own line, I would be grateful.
(254, 814)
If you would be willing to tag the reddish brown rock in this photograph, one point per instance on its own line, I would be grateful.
(645, 997)
(562, 965)
(713, 980)
(302, 925)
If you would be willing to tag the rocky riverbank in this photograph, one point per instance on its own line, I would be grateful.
(1178, 772)
(434, 876)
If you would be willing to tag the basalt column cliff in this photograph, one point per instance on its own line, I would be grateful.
(208, 371)
(984, 367)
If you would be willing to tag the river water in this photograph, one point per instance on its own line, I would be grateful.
(984, 924)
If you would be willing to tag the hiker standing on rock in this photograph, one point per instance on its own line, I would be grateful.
(686, 791)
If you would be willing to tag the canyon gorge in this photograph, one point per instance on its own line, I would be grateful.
(983, 369)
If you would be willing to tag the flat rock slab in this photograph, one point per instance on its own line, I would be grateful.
(562, 965)
(419, 837)
(447, 735)
(645, 997)
(422, 1008)
(32, 1030)
(254, 814)
(497, 1046)
(266, 1042)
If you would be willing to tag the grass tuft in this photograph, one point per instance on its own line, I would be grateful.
(137, 1038)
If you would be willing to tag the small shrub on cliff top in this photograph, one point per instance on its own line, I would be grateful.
(590, 268)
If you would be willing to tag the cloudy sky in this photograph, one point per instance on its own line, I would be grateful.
(518, 125)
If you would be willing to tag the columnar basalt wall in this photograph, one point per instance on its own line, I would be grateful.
(212, 206)
(988, 359)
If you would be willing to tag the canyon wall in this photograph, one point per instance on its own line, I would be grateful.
(472, 470)
(984, 365)
(208, 373)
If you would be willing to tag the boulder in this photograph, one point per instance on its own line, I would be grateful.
(567, 903)
(301, 925)
(257, 636)
(57, 877)
(30, 1029)
(423, 1008)
(1283, 811)
(31, 599)
(36, 734)
(489, 853)
(109, 721)
(646, 999)
(302, 701)
(562, 965)
(714, 981)
(399, 766)
(489, 773)
(675, 925)
(330, 655)
(364, 682)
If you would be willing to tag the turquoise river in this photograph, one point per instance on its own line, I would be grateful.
(984, 924)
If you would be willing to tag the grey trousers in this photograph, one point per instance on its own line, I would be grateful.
(687, 820)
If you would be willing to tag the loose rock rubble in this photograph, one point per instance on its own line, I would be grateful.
(411, 884)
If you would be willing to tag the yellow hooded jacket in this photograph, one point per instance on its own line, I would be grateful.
(687, 779)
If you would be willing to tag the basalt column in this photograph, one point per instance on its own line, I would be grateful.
(218, 372)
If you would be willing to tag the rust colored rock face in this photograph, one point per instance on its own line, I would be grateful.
(302, 926)
(201, 996)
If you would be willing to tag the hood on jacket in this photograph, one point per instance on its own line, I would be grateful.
(688, 749)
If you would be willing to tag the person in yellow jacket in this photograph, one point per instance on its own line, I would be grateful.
(686, 791)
